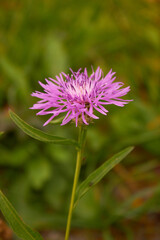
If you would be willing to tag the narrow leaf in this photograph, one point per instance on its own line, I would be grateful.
(99, 173)
(38, 134)
(57, 121)
(23, 231)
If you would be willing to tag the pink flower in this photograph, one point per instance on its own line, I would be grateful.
(79, 95)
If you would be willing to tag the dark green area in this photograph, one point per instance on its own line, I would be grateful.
(39, 39)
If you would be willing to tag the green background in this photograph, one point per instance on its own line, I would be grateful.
(39, 39)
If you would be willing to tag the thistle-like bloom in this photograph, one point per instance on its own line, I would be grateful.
(78, 95)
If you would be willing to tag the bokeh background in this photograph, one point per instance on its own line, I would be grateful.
(39, 39)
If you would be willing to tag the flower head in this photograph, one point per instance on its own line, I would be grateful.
(79, 95)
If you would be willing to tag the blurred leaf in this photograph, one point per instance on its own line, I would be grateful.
(133, 119)
(99, 173)
(57, 121)
(56, 196)
(38, 134)
(19, 227)
(129, 234)
(153, 146)
(107, 235)
(55, 58)
(24, 202)
(13, 158)
(141, 138)
(16, 75)
(147, 199)
(39, 171)
(88, 207)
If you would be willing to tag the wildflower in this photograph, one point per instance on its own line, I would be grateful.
(79, 95)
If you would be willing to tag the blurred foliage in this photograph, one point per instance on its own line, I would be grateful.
(39, 39)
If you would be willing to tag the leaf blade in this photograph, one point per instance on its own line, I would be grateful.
(18, 226)
(38, 134)
(99, 173)
(57, 121)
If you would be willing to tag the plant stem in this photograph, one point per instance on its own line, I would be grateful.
(82, 133)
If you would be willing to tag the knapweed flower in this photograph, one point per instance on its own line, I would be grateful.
(79, 95)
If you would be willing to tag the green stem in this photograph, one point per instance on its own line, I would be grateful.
(81, 138)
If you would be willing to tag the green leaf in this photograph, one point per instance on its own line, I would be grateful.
(18, 226)
(38, 134)
(57, 121)
(99, 173)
